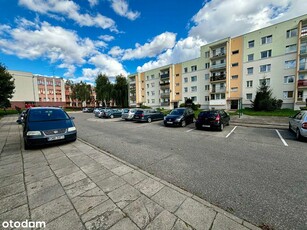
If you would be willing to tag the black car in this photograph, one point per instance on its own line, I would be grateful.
(46, 125)
(180, 117)
(21, 117)
(212, 119)
(148, 115)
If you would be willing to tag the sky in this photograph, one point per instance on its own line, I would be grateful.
(79, 39)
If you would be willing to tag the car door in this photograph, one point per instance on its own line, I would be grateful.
(296, 120)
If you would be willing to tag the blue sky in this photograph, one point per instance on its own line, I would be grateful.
(78, 39)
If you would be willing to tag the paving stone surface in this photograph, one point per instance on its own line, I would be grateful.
(76, 186)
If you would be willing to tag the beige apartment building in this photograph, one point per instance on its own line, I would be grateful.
(228, 72)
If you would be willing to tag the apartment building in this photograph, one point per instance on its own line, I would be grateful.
(228, 72)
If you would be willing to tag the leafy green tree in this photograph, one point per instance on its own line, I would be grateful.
(80, 91)
(7, 87)
(120, 92)
(263, 100)
(103, 89)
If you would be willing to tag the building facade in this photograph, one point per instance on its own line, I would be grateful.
(229, 71)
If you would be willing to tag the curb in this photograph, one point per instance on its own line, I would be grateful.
(257, 125)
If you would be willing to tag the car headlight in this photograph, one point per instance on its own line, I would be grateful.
(70, 129)
(33, 133)
(178, 119)
(164, 118)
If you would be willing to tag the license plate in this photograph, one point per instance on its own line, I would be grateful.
(169, 122)
(137, 117)
(56, 138)
(206, 126)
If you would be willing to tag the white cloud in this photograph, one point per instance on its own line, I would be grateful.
(93, 2)
(121, 8)
(185, 49)
(107, 65)
(116, 51)
(106, 38)
(159, 44)
(68, 9)
(227, 18)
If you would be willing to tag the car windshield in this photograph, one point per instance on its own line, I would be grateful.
(126, 110)
(177, 112)
(139, 112)
(47, 115)
(208, 114)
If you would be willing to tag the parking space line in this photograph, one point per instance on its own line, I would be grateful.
(189, 130)
(231, 132)
(281, 138)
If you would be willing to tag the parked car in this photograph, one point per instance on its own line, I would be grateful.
(216, 119)
(87, 110)
(298, 124)
(148, 115)
(128, 114)
(100, 112)
(180, 117)
(111, 113)
(46, 125)
(21, 117)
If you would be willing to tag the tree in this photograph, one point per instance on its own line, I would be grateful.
(80, 91)
(7, 87)
(264, 100)
(120, 92)
(103, 89)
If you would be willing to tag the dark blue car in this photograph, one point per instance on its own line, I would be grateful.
(46, 125)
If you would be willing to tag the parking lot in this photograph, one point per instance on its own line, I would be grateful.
(257, 174)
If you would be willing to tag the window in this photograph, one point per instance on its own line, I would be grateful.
(194, 78)
(234, 89)
(185, 69)
(147, 77)
(249, 96)
(288, 94)
(194, 99)
(292, 33)
(177, 84)
(233, 77)
(185, 79)
(152, 84)
(148, 101)
(250, 57)
(249, 84)
(206, 76)
(147, 85)
(147, 93)
(251, 44)
(152, 100)
(177, 93)
(194, 68)
(222, 85)
(152, 76)
(152, 93)
(235, 52)
(291, 48)
(177, 74)
(194, 89)
(185, 89)
(235, 64)
(264, 81)
(266, 40)
(206, 98)
(290, 64)
(265, 68)
(207, 87)
(207, 65)
(266, 54)
(250, 70)
(207, 54)
(288, 79)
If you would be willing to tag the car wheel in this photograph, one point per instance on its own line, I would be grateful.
(112, 116)
(298, 135)
(197, 126)
(290, 129)
(221, 127)
(148, 119)
(183, 123)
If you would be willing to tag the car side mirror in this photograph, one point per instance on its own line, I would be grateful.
(19, 121)
(72, 118)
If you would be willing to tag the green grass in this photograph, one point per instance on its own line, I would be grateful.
(277, 113)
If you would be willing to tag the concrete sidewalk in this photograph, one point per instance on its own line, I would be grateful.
(271, 122)
(77, 186)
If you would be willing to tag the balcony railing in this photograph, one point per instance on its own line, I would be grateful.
(218, 66)
(218, 78)
(165, 95)
(164, 76)
(218, 55)
(302, 83)
(164, 83)
(303, 66)
(164, 103)
(218, 90)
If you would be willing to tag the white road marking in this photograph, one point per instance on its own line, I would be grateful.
(281, 138)
(231, 132)
(189, 130)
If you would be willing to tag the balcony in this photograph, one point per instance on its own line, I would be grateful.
(217, 56)
(165, 95)
(302, 83)
(218, 90)
(218, 67)
(164, 103)
(164, 76)
(164, 83)
(218, 78)
(303, 67)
